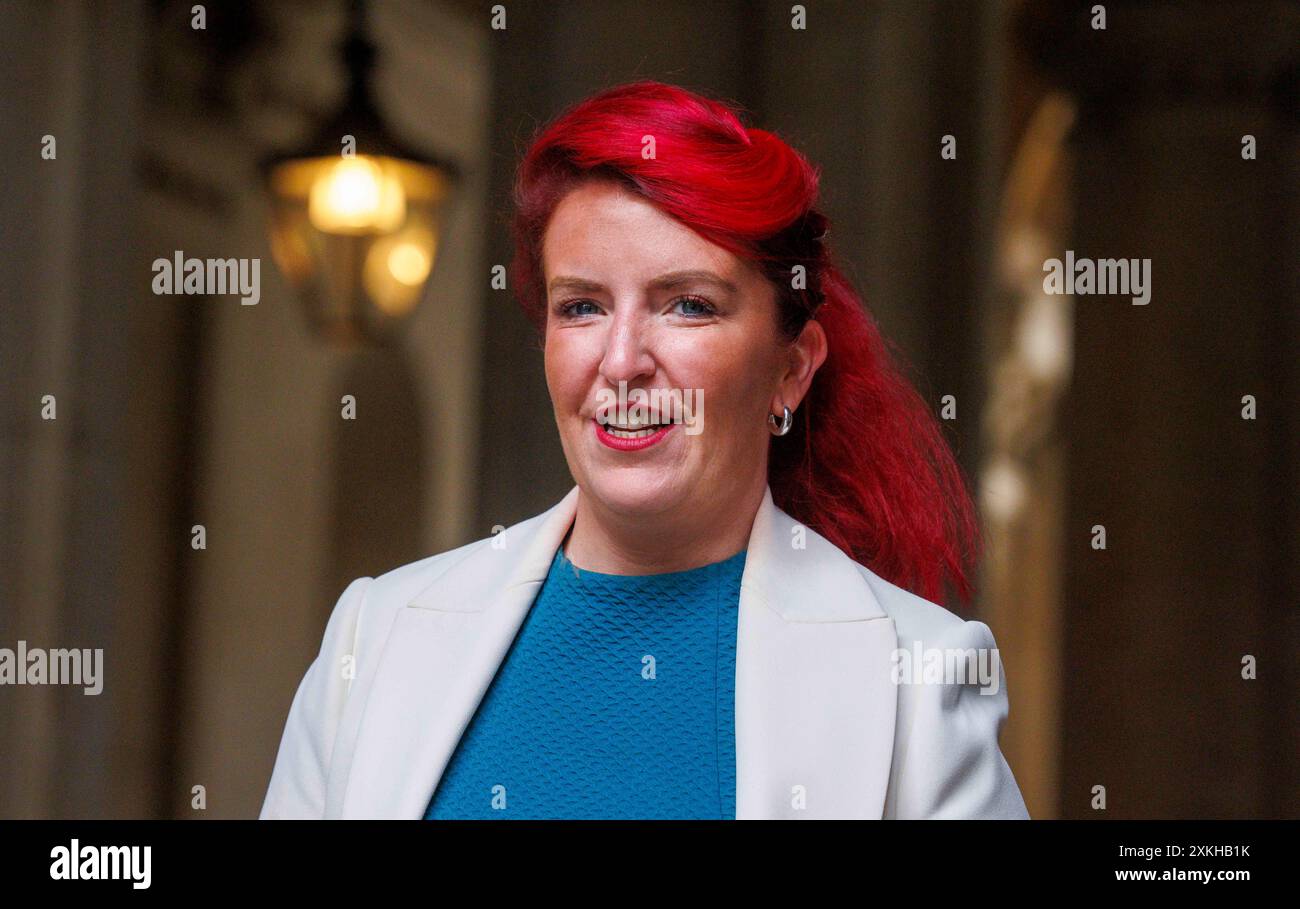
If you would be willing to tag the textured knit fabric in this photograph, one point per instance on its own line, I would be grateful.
(616, 700)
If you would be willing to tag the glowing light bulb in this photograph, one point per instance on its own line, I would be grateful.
(409, 264)
(356, 196)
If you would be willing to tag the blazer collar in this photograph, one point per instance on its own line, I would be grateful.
(815, 704)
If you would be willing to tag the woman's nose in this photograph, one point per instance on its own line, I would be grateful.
(627, 351)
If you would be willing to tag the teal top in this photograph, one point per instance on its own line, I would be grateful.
(616, 700)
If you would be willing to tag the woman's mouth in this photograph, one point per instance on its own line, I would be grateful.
(631, 436)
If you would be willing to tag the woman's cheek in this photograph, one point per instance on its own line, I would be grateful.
(560, 372)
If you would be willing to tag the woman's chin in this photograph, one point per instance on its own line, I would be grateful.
(636, 491)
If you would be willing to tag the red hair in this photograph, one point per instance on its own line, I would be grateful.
(865, 464)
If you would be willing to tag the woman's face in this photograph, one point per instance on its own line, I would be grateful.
(635, 297)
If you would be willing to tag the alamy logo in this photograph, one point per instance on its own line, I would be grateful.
(948, 666)
(37, 666)
(655, 406)
(1099, 276)
(103, 863)
(209, 277)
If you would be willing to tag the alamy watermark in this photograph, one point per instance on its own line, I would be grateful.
(75, 862)
(209, 277)
(948, 666)
(1099, 276)
(38, 666)
(642, 406)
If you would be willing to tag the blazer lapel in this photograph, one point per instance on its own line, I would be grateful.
(814, 701)
(442, 653)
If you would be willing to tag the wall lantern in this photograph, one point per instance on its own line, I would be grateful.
(355, 222)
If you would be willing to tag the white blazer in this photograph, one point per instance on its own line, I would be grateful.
(822, 728)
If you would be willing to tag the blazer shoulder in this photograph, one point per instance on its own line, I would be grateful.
(915, 618)
(395, 588)
(946, 760)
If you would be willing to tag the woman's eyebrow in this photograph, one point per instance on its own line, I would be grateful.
(579, 285)
(678, 278)
(666, 281)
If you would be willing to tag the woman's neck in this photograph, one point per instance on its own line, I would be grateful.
(616, 543)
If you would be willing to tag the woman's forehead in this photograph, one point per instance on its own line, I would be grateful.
(601, 233)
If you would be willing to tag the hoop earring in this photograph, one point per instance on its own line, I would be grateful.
(787, 420)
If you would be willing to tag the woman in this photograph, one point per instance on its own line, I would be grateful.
(708, 625)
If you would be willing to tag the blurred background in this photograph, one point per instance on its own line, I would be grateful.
(1169, 134)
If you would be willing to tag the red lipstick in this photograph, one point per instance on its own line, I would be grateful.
(619, 444)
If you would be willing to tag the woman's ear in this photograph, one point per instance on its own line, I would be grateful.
(807, 354)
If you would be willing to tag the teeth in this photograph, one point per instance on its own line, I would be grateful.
(630, 433)
(628, 427)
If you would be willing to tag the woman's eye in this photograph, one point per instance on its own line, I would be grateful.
(695, 306)
(575, 308)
